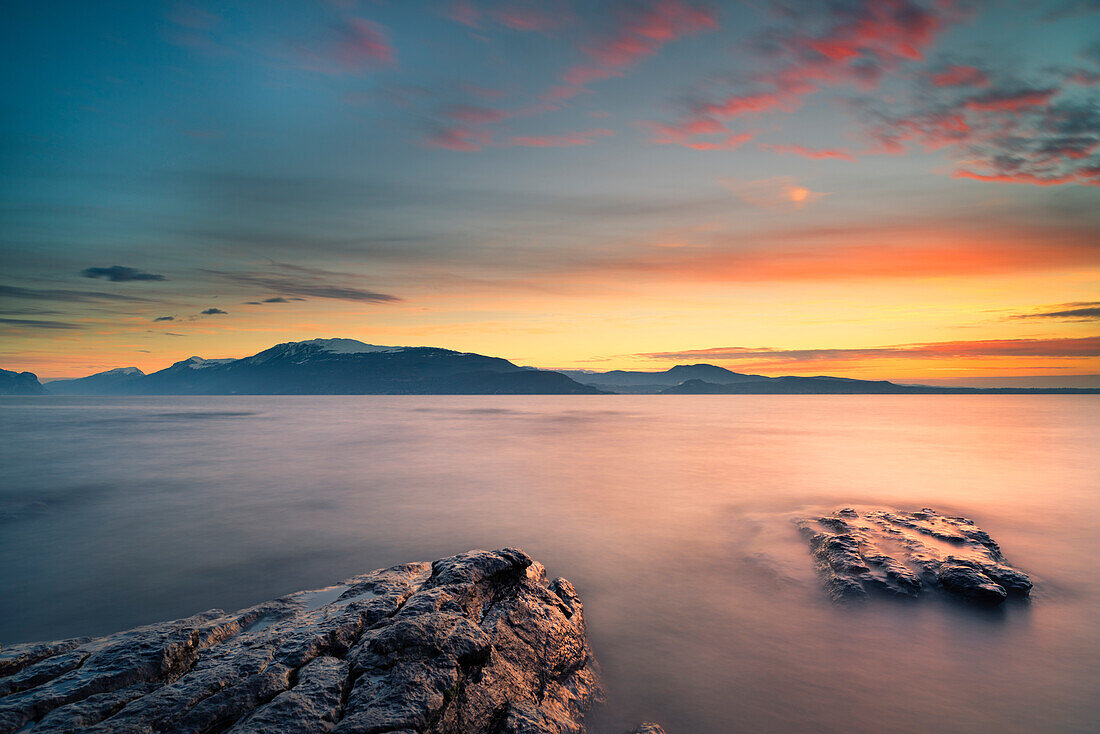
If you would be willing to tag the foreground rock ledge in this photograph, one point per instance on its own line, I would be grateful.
(908, 553)
(479, 643)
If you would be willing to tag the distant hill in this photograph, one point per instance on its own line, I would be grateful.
(337, 367)
(824, 385)
(20, 383)
(350, 367)
(97, 384)
(653, 382)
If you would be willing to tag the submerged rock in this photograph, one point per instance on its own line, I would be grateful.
(908, 553)
(481, 642)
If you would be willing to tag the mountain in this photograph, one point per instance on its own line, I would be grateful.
(20, 383)
(97, 384)
(346, 366)
(824, 385)
(653, 382)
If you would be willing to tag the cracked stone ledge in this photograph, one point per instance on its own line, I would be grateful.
(478, 643)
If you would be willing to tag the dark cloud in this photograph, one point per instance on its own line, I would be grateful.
(997, 128)
(165, 318)
(51, 294)
(1072, 8)
(212, 311)
(32, 324)
(1078, 311)
(818, 45)
(120, 274)
(303, 281)
(277, 299)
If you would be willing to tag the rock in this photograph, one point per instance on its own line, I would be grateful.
(481, 642)
(968, 581)
(907, 553)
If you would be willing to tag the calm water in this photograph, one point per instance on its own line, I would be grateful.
(670, 515)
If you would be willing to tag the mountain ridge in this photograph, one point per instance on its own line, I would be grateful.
(347, 366)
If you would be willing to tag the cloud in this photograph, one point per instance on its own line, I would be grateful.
(640, 30)
(812, 153)
(1008, 133)
(470, 140)
(212, 311)
(1072, 9)
(825, 44)
(1068, 348)
(541, 16)
(53, 294)
(365, 44)
(280, 299)
(165, 318)
(306, 282)
(568, 140)
(1010, 100)
(960, 76)
(998, 126)
(704, 134)
(352, 45)
(32, 324)
(778, 191)
(1078, 311)
(120, 274)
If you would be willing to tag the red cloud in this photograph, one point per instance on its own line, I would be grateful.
(1067, 348)
(641, 32)
(1081, 177)
(815, 154)
(686, 134)
(862, 41)
(365, 44)
(960, 76)
(526, 19)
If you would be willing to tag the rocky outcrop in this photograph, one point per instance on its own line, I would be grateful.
(906, 554)
(478, 643)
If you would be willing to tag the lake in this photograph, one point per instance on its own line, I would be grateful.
(670, 514)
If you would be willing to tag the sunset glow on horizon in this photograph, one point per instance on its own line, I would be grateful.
(883, 189)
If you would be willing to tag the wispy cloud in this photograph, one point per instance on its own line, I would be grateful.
(33, 324)
(1068, 348)
(304, 282)
(640, 30)
(62, 295)
(1077, 311)
(811, 153)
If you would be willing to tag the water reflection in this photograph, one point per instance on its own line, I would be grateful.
(667, 514)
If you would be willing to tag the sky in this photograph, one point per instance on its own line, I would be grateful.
(882, 189)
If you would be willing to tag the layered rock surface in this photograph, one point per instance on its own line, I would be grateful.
(907, 554)
(481, 643)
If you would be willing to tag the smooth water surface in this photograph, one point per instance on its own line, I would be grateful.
(669, 513)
